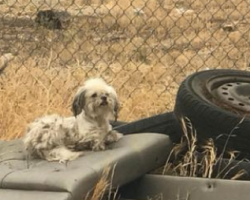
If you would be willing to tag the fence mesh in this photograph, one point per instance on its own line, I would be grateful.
(144, 48)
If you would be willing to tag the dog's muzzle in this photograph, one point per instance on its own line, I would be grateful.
(104, 100)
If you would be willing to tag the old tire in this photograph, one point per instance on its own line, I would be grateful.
(164, 123)
(216, 102)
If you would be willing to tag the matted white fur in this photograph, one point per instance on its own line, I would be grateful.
(57, 138)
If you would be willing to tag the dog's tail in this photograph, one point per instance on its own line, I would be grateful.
(61, 154)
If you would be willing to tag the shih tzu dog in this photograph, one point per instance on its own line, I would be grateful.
(57, 138)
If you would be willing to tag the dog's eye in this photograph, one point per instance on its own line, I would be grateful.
(94, 95)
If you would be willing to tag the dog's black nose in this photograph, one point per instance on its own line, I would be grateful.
(104, 98)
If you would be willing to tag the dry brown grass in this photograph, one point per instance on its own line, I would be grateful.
(31, 91)
(143, 48)
(103, 189)
(192, 159)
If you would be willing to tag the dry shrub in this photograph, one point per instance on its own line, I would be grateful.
(29, 90)
(143, 48)
(192, 159)
(28, 93)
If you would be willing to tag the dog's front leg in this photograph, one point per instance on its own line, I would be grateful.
(97, 143)
(104, 132)
(113, 136)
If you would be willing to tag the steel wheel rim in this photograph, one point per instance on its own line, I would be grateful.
(231, 92)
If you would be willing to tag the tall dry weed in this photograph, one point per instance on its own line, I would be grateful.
(192, 159)
(104, 189)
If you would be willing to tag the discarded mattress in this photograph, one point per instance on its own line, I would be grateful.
(132, 156)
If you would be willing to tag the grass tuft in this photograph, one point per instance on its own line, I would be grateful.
(191, 159)
(104, 189)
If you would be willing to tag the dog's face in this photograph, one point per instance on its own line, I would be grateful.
(97, 99)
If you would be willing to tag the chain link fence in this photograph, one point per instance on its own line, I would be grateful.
(144, 48)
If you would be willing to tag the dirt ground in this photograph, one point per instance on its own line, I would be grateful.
(144, 48)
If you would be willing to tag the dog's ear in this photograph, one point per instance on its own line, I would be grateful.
(78, 103)
(116, 109)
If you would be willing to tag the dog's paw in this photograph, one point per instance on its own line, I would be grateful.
(113, 136)
(62, 161)
(98, 146)
(73, 156)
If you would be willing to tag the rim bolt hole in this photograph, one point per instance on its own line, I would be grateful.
(241, 104)
(225, 93)
(229, 85)
(230, 99)
(224, 88)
